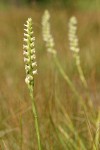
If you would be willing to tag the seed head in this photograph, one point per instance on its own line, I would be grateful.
(29, 53)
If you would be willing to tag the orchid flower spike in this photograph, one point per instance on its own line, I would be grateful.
(29, 53)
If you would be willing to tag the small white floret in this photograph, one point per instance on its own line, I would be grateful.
(35, 72)
(26, 60)
(27, 80)
(33, 51)
(34, 64)
(27, 68)
(25, 25)
(25, 53)
(33, 57)
(26, 30)
(32, 44)
(25, 40)
(25, 34)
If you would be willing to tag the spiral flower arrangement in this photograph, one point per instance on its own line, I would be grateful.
(47, 37)
(29, 53)
(74, 47)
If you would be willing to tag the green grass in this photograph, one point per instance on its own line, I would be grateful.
(64, 124)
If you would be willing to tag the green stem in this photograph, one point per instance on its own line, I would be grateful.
(81, 74)
(82, 77)
(64, 75)
(36, 118)
(69, 82)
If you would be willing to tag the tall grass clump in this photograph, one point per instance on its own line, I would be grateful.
(31, 70)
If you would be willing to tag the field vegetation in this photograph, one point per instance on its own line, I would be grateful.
(67, 122)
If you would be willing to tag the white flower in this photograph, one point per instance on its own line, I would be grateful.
(35, 72)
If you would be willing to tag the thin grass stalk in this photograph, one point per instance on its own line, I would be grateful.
(69, 82)
(71, 127)
(68, 138)
(21, 130)
(97, 135)
(5, 146)
(65, 76)
(90, 130)
(56, 130)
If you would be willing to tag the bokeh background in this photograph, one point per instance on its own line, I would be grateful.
(16, 120)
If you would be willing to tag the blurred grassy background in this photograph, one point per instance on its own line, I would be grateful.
(49, 86)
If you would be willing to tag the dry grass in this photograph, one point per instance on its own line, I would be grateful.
(50, 88)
